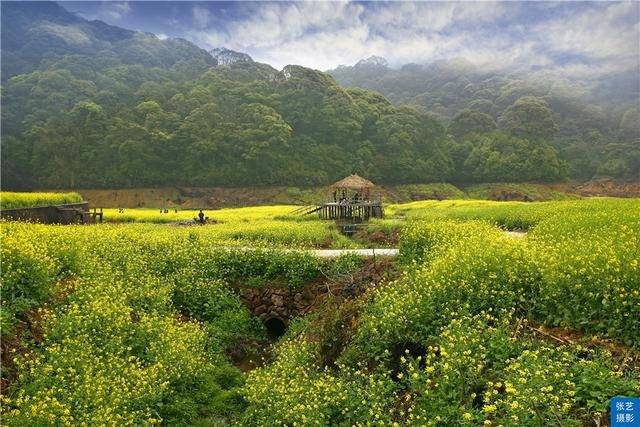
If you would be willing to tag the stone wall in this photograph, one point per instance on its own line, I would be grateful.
(70, 213)
(280, 302)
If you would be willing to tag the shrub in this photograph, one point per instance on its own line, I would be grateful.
(27, 279)
(11, 200)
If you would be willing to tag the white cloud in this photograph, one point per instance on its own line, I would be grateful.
(114, 10)
(201, 16)
(598, 33)
(495, 35)
(606, 39)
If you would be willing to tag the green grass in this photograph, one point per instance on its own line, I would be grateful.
(12, 200)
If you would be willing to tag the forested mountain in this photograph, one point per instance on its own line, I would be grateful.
(85, 104)
(593, 124)
(37, 34)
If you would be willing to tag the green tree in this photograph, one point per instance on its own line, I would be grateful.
(62, 145)
(501, 157)
(262, 140)
(471, 121)
(630, 124)
(529, 117)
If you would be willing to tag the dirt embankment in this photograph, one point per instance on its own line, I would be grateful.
(195, 198)
(604, 187)
(219, 197)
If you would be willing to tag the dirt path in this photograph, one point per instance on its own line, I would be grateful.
(390, 252)
(516, 234)
(331, 253)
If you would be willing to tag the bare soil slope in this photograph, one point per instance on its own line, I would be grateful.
(219, 197)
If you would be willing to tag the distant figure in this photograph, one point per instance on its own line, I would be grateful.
(160, 210)
(175, 210)
(201, 218)
(166, 210)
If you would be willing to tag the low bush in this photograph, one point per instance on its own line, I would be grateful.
(11, 200)
(28, 277)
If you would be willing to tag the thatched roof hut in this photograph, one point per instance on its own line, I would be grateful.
(351, 201)
(353, 182)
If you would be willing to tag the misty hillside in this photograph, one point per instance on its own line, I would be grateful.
(446, 87)
(588, 114)
(35, 34)
(86, 104)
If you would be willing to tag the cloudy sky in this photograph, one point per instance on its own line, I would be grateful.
(577, 38)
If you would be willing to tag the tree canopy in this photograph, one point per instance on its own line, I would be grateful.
(150, 112)
(584, 121)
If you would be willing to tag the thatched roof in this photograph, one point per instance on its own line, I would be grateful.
(353, 182)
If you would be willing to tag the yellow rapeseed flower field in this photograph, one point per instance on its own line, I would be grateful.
(138, 318)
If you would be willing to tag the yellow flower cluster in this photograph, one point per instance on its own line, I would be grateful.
(265, 226)
(459, 310)
(113, 351)
(295, 391)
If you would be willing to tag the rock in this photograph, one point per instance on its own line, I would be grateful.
(246, 293)
(260, 310)
(308, 295)
(226, 56)
(277, 300)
